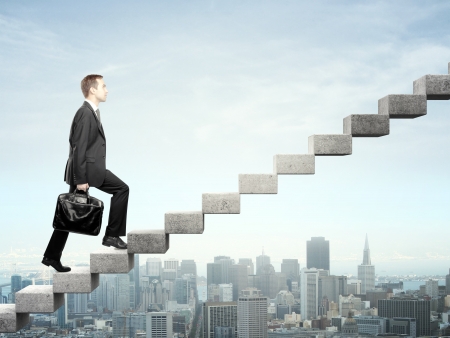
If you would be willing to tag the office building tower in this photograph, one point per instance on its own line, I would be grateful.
(268, 281)
(179, 325)
(213, 293)
(366, 271)
(80, 301)
(218, 258)
(404, 326)
(217, 314)
(182, 290)
(188, 267)
(373, 296)
(16, 286)
(249, 263)
(252, 314)
(226, 292)
(61, 313)
(225, 264)
(153, 267)
(171, 263)
(349, 304)
(291, 269)
(159, 325)
(318, 253)
(224, 332)
(372, 325)
(408, 308)
(238, 278)
(309, 290)
(447, 283)
(26, 282)
(122, 292)
(261, 261)
(213, 273)
(282, 282)
(354, 287)
(137, 279)
(332, 287)
(431, 288)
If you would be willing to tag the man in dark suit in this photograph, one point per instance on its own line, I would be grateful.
(86, 167)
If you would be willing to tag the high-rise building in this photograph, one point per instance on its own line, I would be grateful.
(268, 281)
(122, 292)
(309, 290)
(188, 267)
(171, 263)
(225, 264)
(239, 278)
(406, 326)
(159, 325)
(218, 258)
(261, 261)
(447, 283)
(154, 267)
(252, 314)
(217, 314)
(318, 253)
(331, 287)
(16, 286)
(372, 325)
(26, 282)
(249, 263)
(408, 308)
(291, 268)
(80, 302)
(137, 279)
(431, 288)
(225, 292)
(213, 273)
(366, 271)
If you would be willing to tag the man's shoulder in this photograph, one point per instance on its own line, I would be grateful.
(83, 113)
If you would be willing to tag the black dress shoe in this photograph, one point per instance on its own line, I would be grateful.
(115, 242)
(55, 264)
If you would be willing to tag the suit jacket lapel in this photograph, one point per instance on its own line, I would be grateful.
(99, 126)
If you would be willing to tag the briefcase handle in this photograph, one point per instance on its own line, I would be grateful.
(86, 192)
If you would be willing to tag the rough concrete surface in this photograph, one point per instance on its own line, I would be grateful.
(78, 280)
(403, 106)
(330, 145)
(435, 87)
(221, 203)
(258, 183)
(184, 222)
(111, 260)
(373, 125)
(10, 321)
(148, 241)
(37, 299)
(292, 164)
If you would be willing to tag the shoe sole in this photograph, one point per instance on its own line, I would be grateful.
(109, 245)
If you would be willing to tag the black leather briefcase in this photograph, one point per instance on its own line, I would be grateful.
(78, 213)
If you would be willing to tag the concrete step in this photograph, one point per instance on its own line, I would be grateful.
(330, 145)
(78, 280)
(258, 183)
(148, 241)
(10, 321)
(184, 222)
(38, 299)
(290, 164)
(111, 260)
(369, 125)
(403, 106)
(221, 203)
(435, 87)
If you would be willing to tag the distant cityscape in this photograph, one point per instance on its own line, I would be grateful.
(242, 297)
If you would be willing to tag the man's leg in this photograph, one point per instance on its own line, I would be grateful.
(117, 223)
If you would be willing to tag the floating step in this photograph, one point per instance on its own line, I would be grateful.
(148, 241)
(435, 87)
(78, 280)
(330, 145)
(291, 164)
(403, 106)
(369, 125)
(258, 183)
(111, 260)
(221, 203)
(38, 299)
(184, 222)
(10, 321)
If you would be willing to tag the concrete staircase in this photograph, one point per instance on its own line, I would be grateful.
(47, 299)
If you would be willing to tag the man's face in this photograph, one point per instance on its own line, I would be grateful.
(101, 92)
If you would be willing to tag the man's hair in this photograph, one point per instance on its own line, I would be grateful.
(88, 82)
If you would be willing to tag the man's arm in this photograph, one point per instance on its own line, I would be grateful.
(79, 143)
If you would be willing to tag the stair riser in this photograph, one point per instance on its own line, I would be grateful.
(366, 125)
(435, 87)
(221, 203)
(110, 260)
(148, 242)
(38, 299)
(291, 164)
(258, 184)
(79, 280)
(184, 222)
(330, 145)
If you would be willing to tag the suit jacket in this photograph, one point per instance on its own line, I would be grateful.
(87, 154)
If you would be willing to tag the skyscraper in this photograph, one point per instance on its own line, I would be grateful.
(122, 292)
(447, 283)
(238, 277)
(318, 253)
(291, 268)
(217, 314)
(366, 271)
(268, 281)
(252, 314)
(213, 273)
(188, 267)
(431, 288)
(159, 325)
(249, 263)
(154, 267)
(331, 287)
(261, 261)
(137, 294)
(309, 301)
(16, 286)
(408, 308)
(225, 264)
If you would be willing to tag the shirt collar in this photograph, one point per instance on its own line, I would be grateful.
(92, 105)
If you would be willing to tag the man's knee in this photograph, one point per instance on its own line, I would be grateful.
(125, 188)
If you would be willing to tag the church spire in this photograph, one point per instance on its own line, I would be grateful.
(366, 257)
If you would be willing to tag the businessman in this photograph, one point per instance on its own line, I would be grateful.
(86, 167)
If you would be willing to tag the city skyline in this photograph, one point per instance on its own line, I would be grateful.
(210, 90)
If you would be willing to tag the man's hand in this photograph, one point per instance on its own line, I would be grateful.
(83, 187)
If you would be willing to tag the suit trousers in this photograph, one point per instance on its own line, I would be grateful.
(117, 222)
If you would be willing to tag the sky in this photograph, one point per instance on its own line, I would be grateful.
(201, 91)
